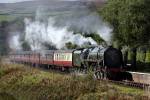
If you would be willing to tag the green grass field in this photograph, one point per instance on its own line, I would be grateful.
(5, 18)
(19, 82)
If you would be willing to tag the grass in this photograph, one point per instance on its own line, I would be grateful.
(19, 82)
(7, 18)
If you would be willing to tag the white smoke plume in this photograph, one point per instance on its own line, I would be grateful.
(37, 33)
(59, 27)
(14, 42)
(59, 30)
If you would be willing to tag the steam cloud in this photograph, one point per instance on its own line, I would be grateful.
(38, 33)
(59, 29)
(14, 42)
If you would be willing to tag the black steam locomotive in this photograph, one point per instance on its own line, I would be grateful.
(105, 62)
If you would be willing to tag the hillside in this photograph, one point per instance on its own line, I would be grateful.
(52, 6)
(73, 16)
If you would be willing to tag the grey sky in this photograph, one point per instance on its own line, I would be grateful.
(12, 1)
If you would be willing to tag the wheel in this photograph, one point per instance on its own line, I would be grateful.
(99, 74)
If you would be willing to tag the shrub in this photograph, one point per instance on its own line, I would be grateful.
(147, 57)
(130, 54)
(141, 56)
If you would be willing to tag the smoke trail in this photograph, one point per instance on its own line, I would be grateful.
(58, 30)
(14, 42)
(59, 26)
(38, 33)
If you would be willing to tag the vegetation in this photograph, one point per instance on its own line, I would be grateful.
(130, 20)
(69, 45)
(143, 60)
(20, 82)
(3, 37)
(95, 37)
(7, 27)
(7, 17)
(26, 46)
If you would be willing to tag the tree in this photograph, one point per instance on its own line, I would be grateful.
(49, 46)
(95, 37)
(130, 19)
(3, 37)
(131, 22)
(69, 45)
(26, 46)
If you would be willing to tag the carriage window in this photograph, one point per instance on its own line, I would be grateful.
(49, 56)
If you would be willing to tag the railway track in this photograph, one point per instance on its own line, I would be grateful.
(131, 84)
(125, 83)
(137, 82)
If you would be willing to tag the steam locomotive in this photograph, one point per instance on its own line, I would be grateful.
(105, 62)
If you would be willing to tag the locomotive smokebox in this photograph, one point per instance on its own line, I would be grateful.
(113, 58)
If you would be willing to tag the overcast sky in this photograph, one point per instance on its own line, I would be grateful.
(12, 1)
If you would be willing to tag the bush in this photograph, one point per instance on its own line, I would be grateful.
(141, 56)
(1, 72)
(147, 57)
(130, 54)
(5, 96)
